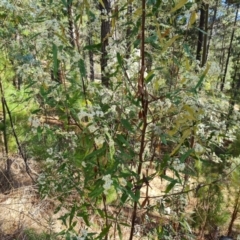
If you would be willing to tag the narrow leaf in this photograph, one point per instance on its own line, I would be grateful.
(101, 2)
(127, 125)
(170, 42)
(119, 231)
(185, 155)
(150, 76)
(104, 232)
(170, 186)
(192, 19)
(93, 47)
(186, 134)
(202, 78)
(72, 213)
(82, 68)
(119, 59)
(180, 4)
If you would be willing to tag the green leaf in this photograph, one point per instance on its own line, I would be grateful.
(2, 127)
(84, 216)
(164, 163)
(93, 47)
(185, 155)
(104, 232)
(170, 42)
(101, 213)
(202, 31)
(119, 59)
(64, 219)
(72, 213)
(122, 139)
(36, 111)
(187, 50)
(169, 179)
(101, 2)
(163, 139)
(170, 186)
(82, 68)
(199, 84)
(64, 3)
(150, 76)
(179, 5)
(68, 236)
(34, 36)
(124, 198)
(151, 2)
(119, 231)
(151, 39)
(96, 192)
(136, 43)
(126, 124)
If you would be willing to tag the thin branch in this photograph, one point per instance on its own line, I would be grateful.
(17, 141)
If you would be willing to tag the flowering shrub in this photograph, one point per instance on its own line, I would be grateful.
(105, 146)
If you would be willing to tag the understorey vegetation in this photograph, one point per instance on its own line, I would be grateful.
(132, 109)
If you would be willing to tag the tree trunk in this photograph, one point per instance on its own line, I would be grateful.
(234, 213)
(229, 53)
(70, 24)
(91, 57)
(129, 17)
(105, 31)
(205, 39)
(200, 32)
(211, 31)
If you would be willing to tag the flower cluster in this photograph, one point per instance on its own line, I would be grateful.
(84, 235)
(107, 183)
(178, 165)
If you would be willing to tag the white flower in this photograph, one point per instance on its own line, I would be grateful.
(92, 128)
(34, 122)
(99, 140)
(99, 113)
(76, 57)
(84, 233)
(84, 164)
(108, 183)
(49, 160)
(198, 148)
(83, 114)
(178, 166)
(41, 178)
(167, 210)
(193, 7)
(50, 151)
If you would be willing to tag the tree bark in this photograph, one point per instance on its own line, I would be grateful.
(200, 32)
(105, 31)
(211, 31)
(234, 213)
(91, 57)
(229, 53)
(129, 17)
(205, 38)
(70, 24)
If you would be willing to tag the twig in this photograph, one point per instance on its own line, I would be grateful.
(142, 95)
(17, 141)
